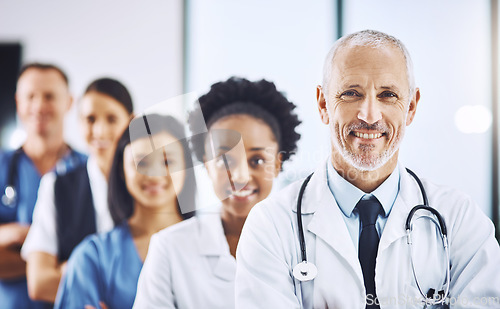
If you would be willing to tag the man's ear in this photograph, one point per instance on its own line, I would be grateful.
(412, 108)
(320, 98)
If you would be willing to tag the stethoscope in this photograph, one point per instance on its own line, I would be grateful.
(9, 197)
(306, 271)
(11, 193)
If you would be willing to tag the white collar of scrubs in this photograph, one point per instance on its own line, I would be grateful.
(347, 195)
(99, 188)
(213, 246)
(212, 238)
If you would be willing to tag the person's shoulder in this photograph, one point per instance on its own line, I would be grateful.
(282, 200)
(179, 232)
(449, 201)
(87, 249)
(74, 171)
(106, 239)
(6, 155)
(73, 160)
(442, 192)
(78, 155)
(180, 239)
(277, 209)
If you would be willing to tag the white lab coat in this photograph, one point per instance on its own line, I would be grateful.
(269, 249)
(188, 266)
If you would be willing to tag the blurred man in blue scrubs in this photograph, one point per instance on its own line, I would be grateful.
(42, 100)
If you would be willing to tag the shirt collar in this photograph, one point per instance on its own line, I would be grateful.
(347, 195)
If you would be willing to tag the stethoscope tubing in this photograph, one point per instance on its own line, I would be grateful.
(408, 226)
(299, 219)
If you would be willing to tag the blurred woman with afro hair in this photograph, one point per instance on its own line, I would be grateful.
(251, 133)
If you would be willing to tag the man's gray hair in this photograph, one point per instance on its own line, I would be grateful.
(370, 38)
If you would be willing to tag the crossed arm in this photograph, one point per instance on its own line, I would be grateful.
(44, 272)
(12, 236)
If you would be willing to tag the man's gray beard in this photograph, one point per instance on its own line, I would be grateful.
(367, 164)
(364, 164)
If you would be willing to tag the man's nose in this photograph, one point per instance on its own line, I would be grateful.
(369, 111)
(37, 103)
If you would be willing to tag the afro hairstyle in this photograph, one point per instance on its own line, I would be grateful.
(259, 99)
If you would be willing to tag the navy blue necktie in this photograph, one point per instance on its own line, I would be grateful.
(368, 245)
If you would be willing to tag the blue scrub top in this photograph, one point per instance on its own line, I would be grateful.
(14, 293)
(103, 267)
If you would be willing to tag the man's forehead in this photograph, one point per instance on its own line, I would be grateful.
(353, 65)
(46, 78)
(378, 54)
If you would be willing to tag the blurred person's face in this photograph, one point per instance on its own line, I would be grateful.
(368, 106)
(103, 120)
(151, 183)
(252, 170)
(42, 99)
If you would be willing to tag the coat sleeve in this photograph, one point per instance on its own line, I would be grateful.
(81, 284)
(154, 289)
(263, 277)
(475, 260)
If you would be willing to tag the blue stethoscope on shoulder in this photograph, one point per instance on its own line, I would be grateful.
(11, 193)
(306, 271)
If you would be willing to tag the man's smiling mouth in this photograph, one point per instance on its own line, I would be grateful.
(368, 135)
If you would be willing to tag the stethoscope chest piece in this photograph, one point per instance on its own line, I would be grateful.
(305, 271)
(9, 197)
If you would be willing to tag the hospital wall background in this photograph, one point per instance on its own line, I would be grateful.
(161, 49)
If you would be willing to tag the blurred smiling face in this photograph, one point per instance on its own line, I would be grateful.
(42, 99)
(103, 120)
(253, 164)
(159, 175)
(368, 106)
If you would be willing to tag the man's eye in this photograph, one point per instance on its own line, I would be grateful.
(350, 93)
(388, 94)
(90, 119)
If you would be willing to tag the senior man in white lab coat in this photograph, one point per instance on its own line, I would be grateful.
(355, 206)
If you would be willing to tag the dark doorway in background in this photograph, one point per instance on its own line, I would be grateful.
(10, 63)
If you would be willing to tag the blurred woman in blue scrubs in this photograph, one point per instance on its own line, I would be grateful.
(192, 264)
(142, 199)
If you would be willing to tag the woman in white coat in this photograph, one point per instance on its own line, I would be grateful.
(192, 264)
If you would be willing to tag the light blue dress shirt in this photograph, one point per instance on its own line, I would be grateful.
(347, 196)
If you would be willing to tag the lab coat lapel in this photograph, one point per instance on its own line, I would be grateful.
(327, 222)
(214, 247)
(408, 197)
